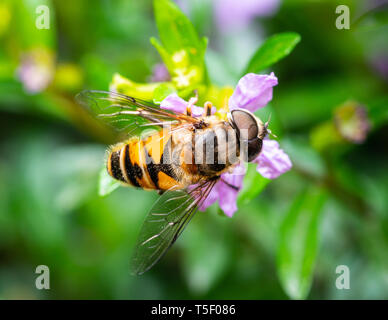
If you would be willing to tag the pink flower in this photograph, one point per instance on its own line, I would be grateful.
(174, 103)
(380, 64)
(272, 161)
(236, 14)
(36, 70)
(224, 193)
(252, 92)
(231, 14)
(351, 121)
(160, 73)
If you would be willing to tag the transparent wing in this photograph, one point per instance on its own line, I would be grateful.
(164, 224)
(127, 115)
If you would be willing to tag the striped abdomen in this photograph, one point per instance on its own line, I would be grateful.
(145, 163)
(179, 159)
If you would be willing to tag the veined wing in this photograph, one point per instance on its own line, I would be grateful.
(165, 222)
(127, 115)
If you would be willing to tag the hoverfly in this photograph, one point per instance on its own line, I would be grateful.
(183, 158)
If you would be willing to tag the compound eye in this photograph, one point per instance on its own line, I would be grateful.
(246, 124)
(254, 148)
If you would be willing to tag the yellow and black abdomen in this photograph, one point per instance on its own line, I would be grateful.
(145, 164)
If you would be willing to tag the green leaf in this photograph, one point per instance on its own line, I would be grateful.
(254, 184)
(298, 243)
(181, 49)
(162, 91)
(106, 184)
(163, 53)
(175, 30)
(272, 50)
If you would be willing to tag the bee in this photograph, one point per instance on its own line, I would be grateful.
(182, 157)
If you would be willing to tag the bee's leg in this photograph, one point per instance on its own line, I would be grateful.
(192, 101)
(230, 185)
(207, 109)
(160, 192)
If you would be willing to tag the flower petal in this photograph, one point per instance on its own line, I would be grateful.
(197, 111)
(272, 161)
(253, 91)
(228, 201)
(351, 120)
(232, 14)
(224, 193)
(236, 177)
(176, 104)
(36, 70)
(228, 194)
(210, 199)
(160, 73)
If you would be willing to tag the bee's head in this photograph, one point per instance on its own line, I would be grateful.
(250, 131)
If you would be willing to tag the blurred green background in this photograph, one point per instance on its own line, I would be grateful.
(331, 209)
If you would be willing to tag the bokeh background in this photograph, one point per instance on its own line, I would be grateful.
(330, 111)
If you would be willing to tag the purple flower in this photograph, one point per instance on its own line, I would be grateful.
(252, 92)
(178, 105)
(224, 193)
(36, 70)
(380, 64)
(351, 121)
(160, 73)
(231, 14)
(272, 161)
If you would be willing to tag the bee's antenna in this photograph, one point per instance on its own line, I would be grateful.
(268, 121)
(266, 127)
(271, 134)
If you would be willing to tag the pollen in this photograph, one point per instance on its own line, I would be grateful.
(224, 103)
(180, 57)
(184, 76)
